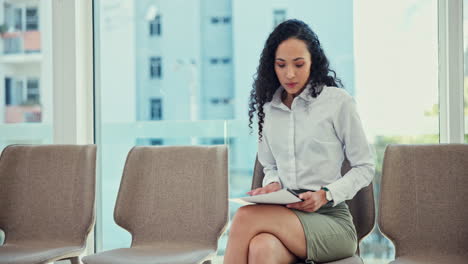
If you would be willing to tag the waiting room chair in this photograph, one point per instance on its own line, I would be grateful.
(361, 206)
(46, 202)
(174, 202)
(423, 203)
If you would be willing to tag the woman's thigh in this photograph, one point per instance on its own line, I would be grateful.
(276, 220)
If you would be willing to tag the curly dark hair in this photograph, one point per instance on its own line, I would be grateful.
(265, 80)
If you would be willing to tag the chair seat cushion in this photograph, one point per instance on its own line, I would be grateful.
(36, 254)
(151, 255)
(452, 259)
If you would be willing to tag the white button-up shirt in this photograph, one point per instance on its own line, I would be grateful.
(304, 147)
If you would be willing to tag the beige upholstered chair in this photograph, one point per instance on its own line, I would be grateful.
(46, 202)
(423, 203)
(361, 206)
(173, 200)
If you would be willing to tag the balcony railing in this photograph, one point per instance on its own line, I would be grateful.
(21, 42)
(23, 114)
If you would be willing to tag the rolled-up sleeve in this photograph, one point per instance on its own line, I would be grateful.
(350, 132)
(266, 158)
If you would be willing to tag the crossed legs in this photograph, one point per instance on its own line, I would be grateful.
(265, 234)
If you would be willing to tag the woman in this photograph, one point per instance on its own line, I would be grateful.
(307, 125)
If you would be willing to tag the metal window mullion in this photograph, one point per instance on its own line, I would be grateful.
(63, 68)
(98, 229)
(451, 110)
(72, 78)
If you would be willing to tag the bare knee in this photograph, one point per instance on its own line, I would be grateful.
(249, 221)
(243, 219)
(262, 248)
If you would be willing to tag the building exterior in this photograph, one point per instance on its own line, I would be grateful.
(25, 61)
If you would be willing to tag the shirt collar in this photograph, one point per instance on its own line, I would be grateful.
(305, 94)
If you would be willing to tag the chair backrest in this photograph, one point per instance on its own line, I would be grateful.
(361, 206)
(174, 194)
(47, 193)
(423, 199)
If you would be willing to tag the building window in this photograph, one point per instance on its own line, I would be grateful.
(155, 26)
(217, 141)
(18, 89)
(156, 109)
(155, 68)
(32, 91)
(8, 92)
(225, 60)
(18, 19)
(32, 19)
(15, 90)
(221, 101)
(156, 142)
(225, 20)
(17, 94)
(279, 15)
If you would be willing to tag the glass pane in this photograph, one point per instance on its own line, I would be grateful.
(396, 83)
(150, 90)
(25, 73)
(191, 83)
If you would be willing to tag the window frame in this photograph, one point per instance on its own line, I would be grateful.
(73, 79)
(451, 71)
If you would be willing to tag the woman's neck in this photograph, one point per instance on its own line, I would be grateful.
(288, 98)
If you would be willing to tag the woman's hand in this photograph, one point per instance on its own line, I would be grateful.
(312, 201)
(272, 187)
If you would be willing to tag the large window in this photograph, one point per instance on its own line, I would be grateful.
(386, 54)
(396, 58)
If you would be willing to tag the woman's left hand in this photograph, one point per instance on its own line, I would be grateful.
(312, 201)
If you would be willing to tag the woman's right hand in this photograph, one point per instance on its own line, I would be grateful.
(272, 187)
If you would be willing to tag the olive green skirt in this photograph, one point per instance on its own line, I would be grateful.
(330, 233)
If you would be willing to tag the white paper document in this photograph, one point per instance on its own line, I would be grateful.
(282, 196)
